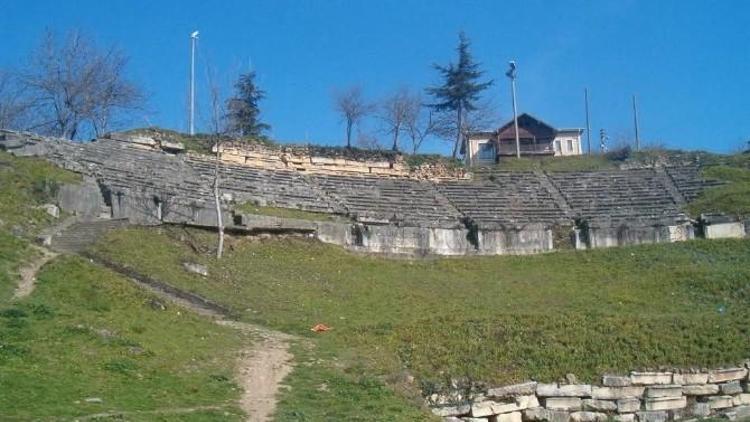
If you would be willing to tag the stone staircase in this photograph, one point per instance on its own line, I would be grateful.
(82, 234)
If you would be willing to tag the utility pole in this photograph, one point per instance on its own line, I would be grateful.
(602, 141)
(191, 118)
(588, 124)
(511, 73)
(635, 122)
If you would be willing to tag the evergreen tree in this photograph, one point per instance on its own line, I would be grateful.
(243, 113)
(460, 89)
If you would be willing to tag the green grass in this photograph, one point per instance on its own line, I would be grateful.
(733, 198)
(86, 332)
(489, 319)
(24, 184)
(250, 208)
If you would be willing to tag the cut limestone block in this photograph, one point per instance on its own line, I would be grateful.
(690, 379)
(741, 399)
(540, 414)
(614, 393)
(599, 405)
(701, 410)
(554, 390)
(664, 391)
(588, 417)
(720, 402)
(730, 388)
(724, 375)
(627, 417)
(700, 390)
(509, 417)
(523, 389)
(650, 378)
(665, 403)
(628, 405)
(650, 416)
(446, 411)
(563, 403)
(615, 381)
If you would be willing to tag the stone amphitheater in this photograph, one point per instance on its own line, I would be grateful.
(378, 205)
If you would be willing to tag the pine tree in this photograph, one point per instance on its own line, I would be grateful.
(460, 89)
(243, 112)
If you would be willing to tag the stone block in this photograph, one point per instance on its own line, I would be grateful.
(470, 419)
(522, 389)
(700, 390)
(563, 403)
(730, 388)
(588, 417)
(741, 399)
(628, 405)
(615, 393)
(627, 417)
(489, 407)
(700, 410)
(509, 417)
(452, 419)
(720, 402)
(447, 411)
(484, 408)
(725, 230)
(742, 412)
(650, 378)
(599, 405)
(615, 381)
(665, 403)
(690, 379)
(554, 390)
(652, 416)
(195, 268)
(729, 374)
(540, 414)
(664, 391)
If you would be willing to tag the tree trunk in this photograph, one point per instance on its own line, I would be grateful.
(217, 200)
(395, 138)
(348, 133)
(459, 124)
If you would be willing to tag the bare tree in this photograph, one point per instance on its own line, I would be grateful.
(368, 141)
(218, 131)
(395, 110)
(419, 123)
(483, 117)
(14, 106)
(75, 86)
(353, 107)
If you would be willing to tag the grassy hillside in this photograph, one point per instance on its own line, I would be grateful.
(733, 198)
(486, 319)
(87, 341)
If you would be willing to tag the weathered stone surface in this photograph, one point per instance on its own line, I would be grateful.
(470, 419)
(563, 403)
(628, 405)
(554, 390)
(664, 391)
(690, 379)
(522, 389)
(650, 378)
(665, 403)
(514, 404)
(732, 387)
(724, 375)
(627, 417)
(720, 402)
(588, 416)
(51, 209)
(599, 405)
(452, 419)
(741, 399)
(509, 417)
(485, 408)
(541, 414)
(614, 393)
(700, 410)
(195, 268)
(700, 390)
(741, 412)
(652, 416)
(445, 411)
(615, 381)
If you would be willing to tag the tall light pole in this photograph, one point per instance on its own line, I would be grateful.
(191, 119)
(588, 125)
(635, 122)
(511, 73)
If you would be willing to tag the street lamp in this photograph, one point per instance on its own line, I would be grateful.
(193, 40)
(511, 73)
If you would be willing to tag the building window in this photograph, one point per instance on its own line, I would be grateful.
(570, 145)
(557, 146)
(487, 151)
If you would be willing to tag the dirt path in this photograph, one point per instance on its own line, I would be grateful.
(262, 369)
(28, 272)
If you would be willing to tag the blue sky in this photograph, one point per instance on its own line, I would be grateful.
(688, 61)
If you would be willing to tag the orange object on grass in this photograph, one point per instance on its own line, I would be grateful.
(319, 328)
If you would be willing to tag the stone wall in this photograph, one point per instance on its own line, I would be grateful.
(639, 396)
